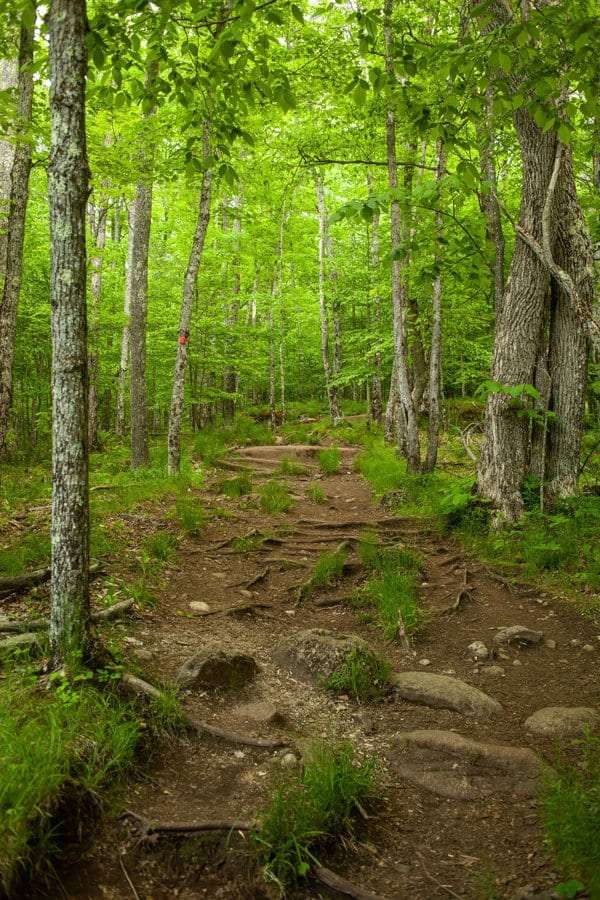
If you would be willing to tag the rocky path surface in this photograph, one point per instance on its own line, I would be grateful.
(462, 736)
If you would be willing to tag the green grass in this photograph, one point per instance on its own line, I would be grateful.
(328, 568)
(290, 467)
(330, 460)
(275, 498)
(316, 493)
(363, 674)
(160, 545)
(392, 589)
(211, 443)
(571, 816)
(238, 486)
(308, 809)
(190, 514)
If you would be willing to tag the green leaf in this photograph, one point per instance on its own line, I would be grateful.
(297, 13)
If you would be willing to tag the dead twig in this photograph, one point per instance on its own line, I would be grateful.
(433, 880)
(462, 597)
(238, 608)
(128, 879)
(189, 827)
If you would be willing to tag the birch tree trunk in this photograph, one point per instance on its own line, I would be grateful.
(138, 293)
(189, 285)
(124, 355)
(435, 356)
(230, 375)
(68, 193)
(15, 166)
(332, 394)
(99, 236)
(409, 442)
(376, 404)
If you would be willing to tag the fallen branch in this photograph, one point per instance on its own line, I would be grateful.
(342, 885)
(237, 608)
(190, 827)
(18, 584)
(103, 615)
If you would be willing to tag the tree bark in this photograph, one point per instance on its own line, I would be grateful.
(408, 442)
(489, 199)
(15, 163)
(376, 405)
(189, 284)
(435, 357)
(124, 355)
(138, 294)
(68, 193)
(230, 377)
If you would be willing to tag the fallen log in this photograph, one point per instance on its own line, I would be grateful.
(102, 615)
(342, 885)
(18, 584)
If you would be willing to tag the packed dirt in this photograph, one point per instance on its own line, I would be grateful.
(413, 843)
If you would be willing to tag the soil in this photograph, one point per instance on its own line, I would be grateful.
(413, 844)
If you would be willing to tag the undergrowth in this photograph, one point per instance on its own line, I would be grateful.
(571, 816)
(330, 460)
(316, 493)
(363, 675)
(327, 569)
(288, 466)
(238, 486)
(392, 588)
(309, 808)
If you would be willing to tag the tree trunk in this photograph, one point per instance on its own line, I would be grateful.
(230, 375)
(189, 284)
(124, 356)
(376, 405)
(15, 181)
(435, 357)
(138, 295)
(332, 395)
(68, 193)
(99, 236)
(409, 441)
(489, 199)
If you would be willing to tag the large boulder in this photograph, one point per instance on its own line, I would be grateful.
(562, 721)
(443, 692)
(217, 668)
(314, 654)
(453, 766)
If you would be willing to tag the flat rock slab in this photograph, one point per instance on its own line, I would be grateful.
(314, 654)
(453, 766)
(443, 692)
(217, 669)
(562, 721)
(260, 712)
(518, 634)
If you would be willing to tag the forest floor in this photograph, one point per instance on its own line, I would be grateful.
(414, 843)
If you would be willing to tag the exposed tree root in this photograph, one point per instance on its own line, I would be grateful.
(232, 737)
(342, 885)
(462, 597)
(189, 827)
(252, 581)
(237, 608)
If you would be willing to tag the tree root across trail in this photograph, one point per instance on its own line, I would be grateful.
(440, 823)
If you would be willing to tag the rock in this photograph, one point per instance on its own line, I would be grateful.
(517, 662)
(492, 671)
(478, 650)
(18, 642)
(199, 606)
(460, 768)
(588, 648)
(518, 634)
(133, 641)
(424, 662)
(314, 654)
(217, 669)
(288, 761)
(442, 692)
(144, 655)
(562, 721)
(259, 711)
(550, 644)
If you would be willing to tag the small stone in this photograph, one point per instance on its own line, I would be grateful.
(562, 721)
(424, 662)
(133, 642)
(144, 655)
(239, 754)
(588, 648)
(199, 606)
(478, 650)
(259, 711)
(502, 654)
(550, 644)
(517, 662)
(574, 642)
(493, 671)
(518, 634)
(288, 761)
(290, 612)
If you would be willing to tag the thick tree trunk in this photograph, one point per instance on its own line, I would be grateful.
(408, 442)
(489, 199)
(138, 296)
(99, 236)
(435, 357)
(68, 192)
(14, 193)
(332, 394)
(124, 355)
(189, 285)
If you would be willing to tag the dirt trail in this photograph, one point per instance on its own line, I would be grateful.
(417, 844)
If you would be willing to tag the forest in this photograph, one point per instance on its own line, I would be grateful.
(299, 449)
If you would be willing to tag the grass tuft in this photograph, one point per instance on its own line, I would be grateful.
(392, 588)
(363, 674)
(275, 498)
(236, 487)
(306, 809)
(290, 467)
(190, 514)
(330, 460)
(160, 546)
(328, 568)
(316, 493)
